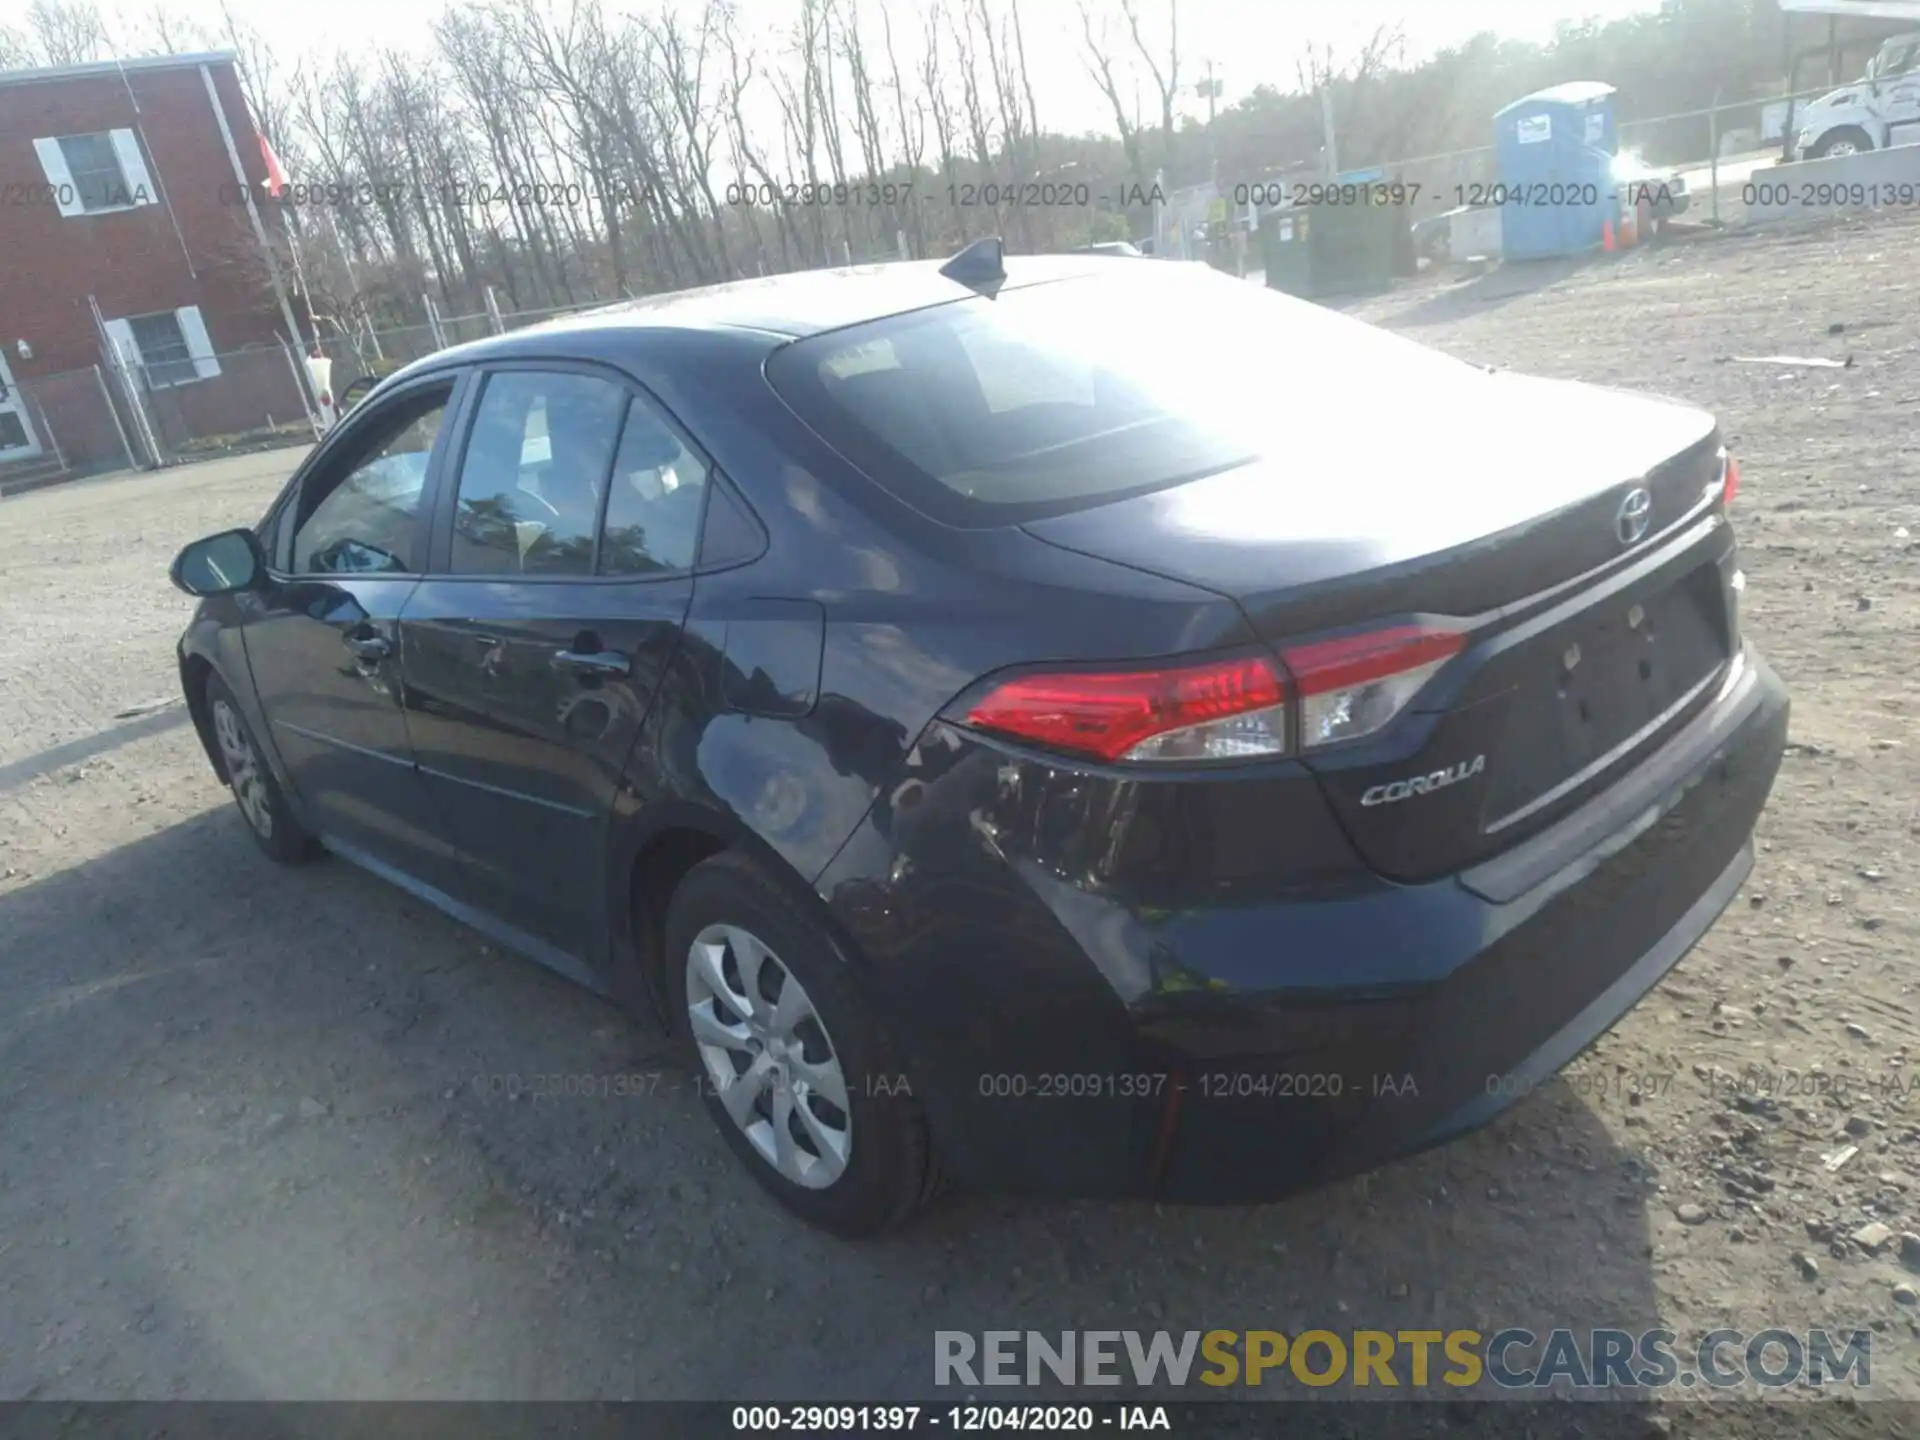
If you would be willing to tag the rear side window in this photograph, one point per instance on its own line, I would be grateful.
(653, 501)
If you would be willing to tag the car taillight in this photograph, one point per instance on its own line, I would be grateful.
(1229, 709)
(1352, 685)
(1729, 480)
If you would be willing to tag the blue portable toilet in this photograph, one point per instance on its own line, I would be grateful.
(1556, 150)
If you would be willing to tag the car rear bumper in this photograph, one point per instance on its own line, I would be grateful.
(1070, 1035)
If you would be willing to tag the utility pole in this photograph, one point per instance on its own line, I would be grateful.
(1219, 216)
(1209, 89)
(1326, 126)
(308, 393)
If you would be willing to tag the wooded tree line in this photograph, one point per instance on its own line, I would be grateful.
(560, 152)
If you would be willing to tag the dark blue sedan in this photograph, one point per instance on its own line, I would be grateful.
(1065, 724)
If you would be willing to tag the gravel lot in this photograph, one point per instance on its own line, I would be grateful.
(243, 1152)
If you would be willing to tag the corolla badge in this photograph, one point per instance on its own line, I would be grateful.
(1424, 784)
(1635, 513)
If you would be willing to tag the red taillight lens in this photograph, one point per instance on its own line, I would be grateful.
(1352, 685)
(1217, 710)
(1730, 481)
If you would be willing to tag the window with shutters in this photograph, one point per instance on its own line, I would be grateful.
(166, 347)
(96, 173)
(97, 177)
(163, 348)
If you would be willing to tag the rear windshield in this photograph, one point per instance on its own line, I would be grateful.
(1053, 397)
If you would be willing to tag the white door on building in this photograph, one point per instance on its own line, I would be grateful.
(17, 440)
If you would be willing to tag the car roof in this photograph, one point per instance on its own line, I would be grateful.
(781, 307)
(775, 308)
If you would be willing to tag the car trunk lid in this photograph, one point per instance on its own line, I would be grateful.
(1502, 504)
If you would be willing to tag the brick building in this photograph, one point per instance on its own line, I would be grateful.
(124, 236)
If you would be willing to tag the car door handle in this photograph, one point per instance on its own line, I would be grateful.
(592, 662)
(368, 647)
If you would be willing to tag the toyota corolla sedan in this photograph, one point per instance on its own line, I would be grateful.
(1052, 723)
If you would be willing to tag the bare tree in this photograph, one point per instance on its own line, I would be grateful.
(1166, 81)
(260, 79)
(1012, 119)
(1098, 55)
(66, 32)
(800, 111)
(940, 103)
(747, 157)
(1385, 128)
(913, 135)
(684, 67)
(866, 115)
(166, 31)
(1026, 75)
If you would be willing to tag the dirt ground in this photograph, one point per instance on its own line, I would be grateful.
(250, 1145)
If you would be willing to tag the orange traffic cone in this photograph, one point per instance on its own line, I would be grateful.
(1629, 230)
(1606, 236)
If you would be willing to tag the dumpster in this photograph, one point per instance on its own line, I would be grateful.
(1354, 236)
(1286, 252)
(1555, 189)
(1350, 244)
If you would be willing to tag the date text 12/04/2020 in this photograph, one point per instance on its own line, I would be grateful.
(816, 1419)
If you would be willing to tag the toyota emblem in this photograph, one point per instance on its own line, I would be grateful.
(1635, 512)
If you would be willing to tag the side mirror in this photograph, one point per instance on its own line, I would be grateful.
(219, 564)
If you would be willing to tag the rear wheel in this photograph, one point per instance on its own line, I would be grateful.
(793, 1064)
(1847, 140)
(258, 795)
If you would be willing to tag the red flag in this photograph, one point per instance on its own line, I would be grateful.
(276, 177)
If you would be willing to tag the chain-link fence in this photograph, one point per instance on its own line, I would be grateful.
(240, 400)
(144, 412)
(362, 351)
(126, 413)
(58, 427)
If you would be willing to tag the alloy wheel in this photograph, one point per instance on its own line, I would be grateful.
(243, 769)
(768, 1056)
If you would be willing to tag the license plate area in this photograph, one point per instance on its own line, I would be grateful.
(1595, 682)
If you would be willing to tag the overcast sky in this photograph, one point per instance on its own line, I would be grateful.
(1250, 41)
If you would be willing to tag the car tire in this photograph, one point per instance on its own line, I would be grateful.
(1851, 137)
(257, 795)
(853, 1169)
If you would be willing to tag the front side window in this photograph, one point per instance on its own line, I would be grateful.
(361, 518)
(534, 473)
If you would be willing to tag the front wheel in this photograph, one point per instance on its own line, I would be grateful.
(794, 1065)
(1848, 140)
(261, 802)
